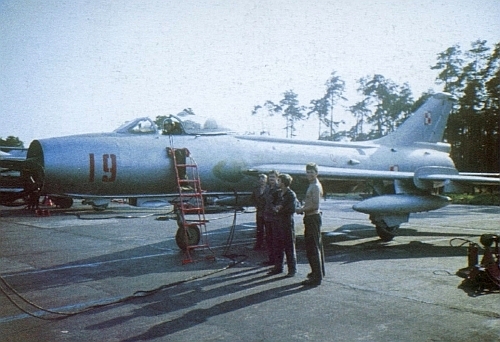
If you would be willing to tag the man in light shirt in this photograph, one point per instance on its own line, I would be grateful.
(312, 224)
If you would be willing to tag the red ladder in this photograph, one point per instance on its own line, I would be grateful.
(192, 233)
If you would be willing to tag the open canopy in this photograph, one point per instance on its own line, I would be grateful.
(175, 125)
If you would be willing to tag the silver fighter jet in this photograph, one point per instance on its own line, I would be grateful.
(407, 169)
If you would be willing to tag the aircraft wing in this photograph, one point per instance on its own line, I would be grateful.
(480, 179)
(12, 164)
(13, 160)
(424, 174)
(10, 181)
(333, 173)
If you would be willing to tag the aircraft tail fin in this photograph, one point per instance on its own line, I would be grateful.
(426, 124)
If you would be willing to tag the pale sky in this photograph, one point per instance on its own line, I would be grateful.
(79, 66)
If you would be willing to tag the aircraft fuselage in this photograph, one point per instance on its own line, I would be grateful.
(117, 165)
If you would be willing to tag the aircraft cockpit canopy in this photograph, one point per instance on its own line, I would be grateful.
(186, 123)
(175, 125)
(138, 126)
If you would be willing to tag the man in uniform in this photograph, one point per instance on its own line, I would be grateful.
(284, 231)
(312, 225)
(259, 202)
(271, 196)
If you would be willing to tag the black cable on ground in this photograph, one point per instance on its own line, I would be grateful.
(464, 241)
(230, 237)
(135, 295)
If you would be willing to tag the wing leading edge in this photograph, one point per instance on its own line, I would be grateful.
(425, 174)
(332, 173)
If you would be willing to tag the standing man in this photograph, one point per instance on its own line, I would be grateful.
(259, 202)
(284, 232)
(312, 224)
(272, 196)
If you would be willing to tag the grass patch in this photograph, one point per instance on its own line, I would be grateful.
(479, 199)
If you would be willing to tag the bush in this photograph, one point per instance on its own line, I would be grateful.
(480, 199)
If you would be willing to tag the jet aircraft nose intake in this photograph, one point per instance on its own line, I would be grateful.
(33, 173)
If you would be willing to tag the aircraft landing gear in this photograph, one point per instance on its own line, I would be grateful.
(190, 236)
(385, 231)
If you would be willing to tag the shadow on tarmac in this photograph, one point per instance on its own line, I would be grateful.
(164, 257)
(375, 250)
(181, 298)
(379, 250)
(189, 295)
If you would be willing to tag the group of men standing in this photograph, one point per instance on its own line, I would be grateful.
(276, 204)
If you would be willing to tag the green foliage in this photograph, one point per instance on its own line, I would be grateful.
(485, 199)
(386, 104)
(11, 141)
(291, 111)
(450, 64)
(474, 78)
(480, 199)
(288, 108)
(335, 87)
(361, 112)
(271, 109)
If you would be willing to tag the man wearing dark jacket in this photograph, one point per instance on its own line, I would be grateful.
(259, 202)
(284, 231)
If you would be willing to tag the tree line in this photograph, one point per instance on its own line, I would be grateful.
(472, 76)
(11, 141)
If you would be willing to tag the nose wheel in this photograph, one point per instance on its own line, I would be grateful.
(189, 236)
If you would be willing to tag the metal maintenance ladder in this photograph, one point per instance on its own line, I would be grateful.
(192, 233)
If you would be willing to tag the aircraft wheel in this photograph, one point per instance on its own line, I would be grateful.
(385, 233)
(188, 237)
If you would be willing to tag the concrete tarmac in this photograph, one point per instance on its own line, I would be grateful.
(118, 275)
